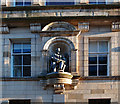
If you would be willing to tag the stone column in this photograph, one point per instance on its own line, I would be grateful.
(7, 57)
(86, 55)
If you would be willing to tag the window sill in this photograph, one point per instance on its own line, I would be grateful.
(100, 78)
(19, 79)
(78, 77)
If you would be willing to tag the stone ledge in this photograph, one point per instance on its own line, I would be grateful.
(101, 78)
(74, 77)
(19, 79)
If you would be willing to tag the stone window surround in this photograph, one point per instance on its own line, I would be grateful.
(86, 53)
(20, 54)
(103, 53)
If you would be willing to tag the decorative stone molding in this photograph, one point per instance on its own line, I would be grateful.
(116, 26)
(59, 26)
(4, 29)
(83, 26)
(56, 39)
(35, 27)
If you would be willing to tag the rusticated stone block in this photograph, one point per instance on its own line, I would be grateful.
(97, 91)
(75, 96)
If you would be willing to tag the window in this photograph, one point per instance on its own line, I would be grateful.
(19, 101)
(98, 58)
(60, 2)
(97, 2)
(21, 59)
(22, 2)
(99, 101)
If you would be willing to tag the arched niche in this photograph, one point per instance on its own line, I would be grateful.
(67, 50)
(59, 26)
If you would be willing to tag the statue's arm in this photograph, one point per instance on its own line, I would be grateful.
(54, 59)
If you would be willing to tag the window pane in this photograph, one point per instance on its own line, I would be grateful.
(103, 46)
(26, 71)
(102, 59)
(27, 3)
(93, 47)
(101, 1)
(17, 48)
(93, 60)
(19, 3)
(62, 2)
(93, 70)
(92, 1)
(17, 60)
(102, 69)
(26, 48)
(27, 60)
(99, 101)
(19, 101)
(17, 71)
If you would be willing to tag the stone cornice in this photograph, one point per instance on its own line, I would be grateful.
(83, 6)
(66, 18)
(58, 33)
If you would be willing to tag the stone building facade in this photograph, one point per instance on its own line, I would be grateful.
(89, 38)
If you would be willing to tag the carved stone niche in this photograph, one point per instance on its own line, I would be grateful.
(83, 26)
(35, 27)
(4, 29)
(116, 26)
(60, 80)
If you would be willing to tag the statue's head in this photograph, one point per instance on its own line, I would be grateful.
(58, 50)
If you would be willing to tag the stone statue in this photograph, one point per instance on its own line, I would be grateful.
(58, 62)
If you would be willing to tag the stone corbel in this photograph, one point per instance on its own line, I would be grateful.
(35, 27)
(116, 26)
(83, 26)
(4, 29)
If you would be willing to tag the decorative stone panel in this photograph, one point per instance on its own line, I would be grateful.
(35, 27)
(83, 26)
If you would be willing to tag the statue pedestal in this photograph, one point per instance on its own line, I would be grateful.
(59, 80)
